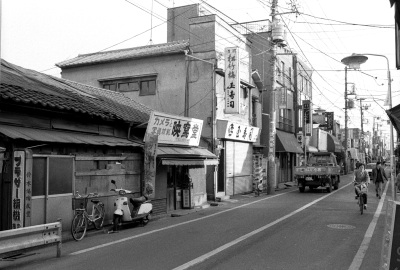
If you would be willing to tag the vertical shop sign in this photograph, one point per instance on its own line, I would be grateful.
(18, 190)
(232, 80)
(307, 112)
(329, 120)
(150, 155)
(28, 187)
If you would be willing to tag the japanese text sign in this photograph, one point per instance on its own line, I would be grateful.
(174, 129)
(236, 131)
(18, 190)
(329, 120)
(307, 113)
(232, 80)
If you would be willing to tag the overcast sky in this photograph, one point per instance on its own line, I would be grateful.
(37, 34)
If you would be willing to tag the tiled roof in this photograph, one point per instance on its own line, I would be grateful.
(116, 55)
(30, 87)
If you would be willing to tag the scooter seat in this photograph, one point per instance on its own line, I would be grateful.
(95, 201)
(137, 201)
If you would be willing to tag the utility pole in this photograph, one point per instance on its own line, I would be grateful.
(345, 120)
(271, 172)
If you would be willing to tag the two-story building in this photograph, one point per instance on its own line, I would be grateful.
(203, 72)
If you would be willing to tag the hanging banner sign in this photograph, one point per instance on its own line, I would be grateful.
(232, 80)
(174, 129)
(307, 113)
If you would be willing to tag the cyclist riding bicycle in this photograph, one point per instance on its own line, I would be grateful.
(361, 176)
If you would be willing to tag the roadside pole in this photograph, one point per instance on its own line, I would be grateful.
(271, 173)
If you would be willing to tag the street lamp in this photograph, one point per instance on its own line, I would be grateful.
(354, 61)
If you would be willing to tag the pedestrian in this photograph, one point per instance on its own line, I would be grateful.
(378, 177)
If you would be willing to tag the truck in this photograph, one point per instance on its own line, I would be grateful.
(321, 170)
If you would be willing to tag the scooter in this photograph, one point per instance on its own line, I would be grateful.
(141, 211)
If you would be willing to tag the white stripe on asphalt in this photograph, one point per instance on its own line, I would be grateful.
(358, 259)
(172, 226)
(244, 237)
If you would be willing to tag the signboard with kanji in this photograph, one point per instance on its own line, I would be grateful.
(18, 190)
(282, 104)
(236, 131)
(150, 155)
(232, 80)
(329, 120)
(307, 113)
(174, 129)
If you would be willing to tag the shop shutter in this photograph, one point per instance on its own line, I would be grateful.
(243, 168)
(229, 166)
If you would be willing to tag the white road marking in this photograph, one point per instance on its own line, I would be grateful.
(358, 259)
(172, 226)
(246, 236)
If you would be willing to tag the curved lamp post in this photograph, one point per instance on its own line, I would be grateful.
(354, 61)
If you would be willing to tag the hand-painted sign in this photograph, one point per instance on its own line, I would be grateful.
(18, 190)
(235, 131)
(307, 113)
(173, 129)
(232, 80)
(150, 155)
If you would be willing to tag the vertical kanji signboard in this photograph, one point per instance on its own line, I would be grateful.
(18, 190)
(232, 80)
(307, 115)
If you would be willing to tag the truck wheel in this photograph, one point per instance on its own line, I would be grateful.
(301, 189)
(336, 185)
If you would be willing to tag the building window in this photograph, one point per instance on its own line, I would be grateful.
(145, 85)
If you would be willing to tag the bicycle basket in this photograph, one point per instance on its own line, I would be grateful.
(78, 203)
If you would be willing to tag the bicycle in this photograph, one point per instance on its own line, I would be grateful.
(362, 195)
(82, 218)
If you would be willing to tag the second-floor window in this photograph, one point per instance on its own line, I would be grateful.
(145, 85)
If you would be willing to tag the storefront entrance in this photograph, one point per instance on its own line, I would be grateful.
(177, 179)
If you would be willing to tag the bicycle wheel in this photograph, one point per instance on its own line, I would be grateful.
(361, 200)
(79, 226)
(98, 216)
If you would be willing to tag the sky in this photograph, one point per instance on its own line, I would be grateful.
(38, 34)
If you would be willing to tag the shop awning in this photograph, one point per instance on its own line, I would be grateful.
(287, 142)
(312, 149)
(55, 136)
(334, 144)
(174, 155)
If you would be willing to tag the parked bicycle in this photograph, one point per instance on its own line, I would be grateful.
(82, 219)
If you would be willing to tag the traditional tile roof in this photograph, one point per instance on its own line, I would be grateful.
(22, 85)
(123, 54)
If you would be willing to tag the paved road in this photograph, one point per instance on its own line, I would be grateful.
(290, 230)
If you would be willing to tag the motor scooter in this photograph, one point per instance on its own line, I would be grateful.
(141, 211)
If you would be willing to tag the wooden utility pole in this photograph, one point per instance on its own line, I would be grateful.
(271, 172)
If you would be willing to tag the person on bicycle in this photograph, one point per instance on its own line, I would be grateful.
(361, 176)
(378, 177)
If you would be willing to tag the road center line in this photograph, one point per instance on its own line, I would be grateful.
(246, 236)
(358, 259)
(173, 226)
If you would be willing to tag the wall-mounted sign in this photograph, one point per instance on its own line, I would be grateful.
(236, 131)
(300, 139)
(150, 155)
(232, 80)
(173, 129)
(329, 120)
(307, 113)
(18, 190)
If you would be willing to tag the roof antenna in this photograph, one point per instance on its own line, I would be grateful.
(151, 24)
